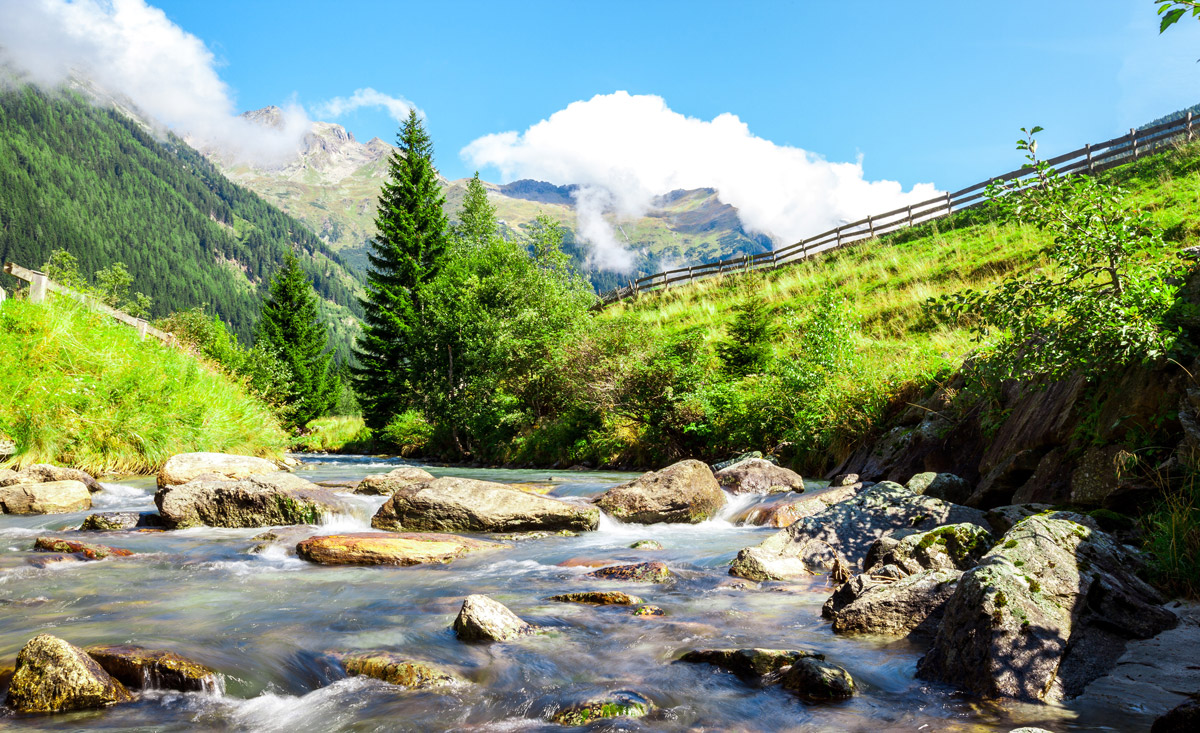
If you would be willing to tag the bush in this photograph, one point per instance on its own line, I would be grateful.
(407, 433)
(335, 435)
(1172, 530)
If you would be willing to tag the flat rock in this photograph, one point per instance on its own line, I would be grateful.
(157, 669)
(846, 530)
(386, 484)
(261, 500)
(816, 680)
(116, 521)
(756, 476)
(682, 493)
(598, 598)
(748, 663)
(465, 505)
(619, 704)
(86, 550)
(389, 548)
(1047, 610)
(483, 619)
(53, 676)
(40, 473)
(871, 605)
(50, 497)
(643, 572)
(396, 669)
(185, 467)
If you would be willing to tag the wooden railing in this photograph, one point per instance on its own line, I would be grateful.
(1088, 160)
(41, 286)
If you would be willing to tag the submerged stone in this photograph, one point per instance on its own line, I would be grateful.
(156, 669)
(648, 610)
(396, 669)
(53, 676)
(389, 548)
(817, 680)
(86, 550)
(646, 545)
(751, 663)
(483, 619)
(643, 572)
(619, 704)
(598, 598)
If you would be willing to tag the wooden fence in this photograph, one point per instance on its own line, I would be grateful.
(41, 286)
(1088, 159)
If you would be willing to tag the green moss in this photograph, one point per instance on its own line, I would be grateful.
(1010, 544)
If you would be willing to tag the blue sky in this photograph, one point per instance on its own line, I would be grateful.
(925, 92)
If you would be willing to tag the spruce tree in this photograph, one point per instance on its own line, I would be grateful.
(477, 218)
(403, 258)
(292, 327)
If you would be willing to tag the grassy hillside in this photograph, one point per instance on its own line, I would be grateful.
(92, 181)
(82, 390)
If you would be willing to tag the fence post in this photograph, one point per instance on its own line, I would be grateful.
(1091, 165)
(949, 205)
(871, 226)
(37, 288)
(910, 219)
(141, 329)
(3, 295)
(1133, 141)
(1189, 126)
(838, 234)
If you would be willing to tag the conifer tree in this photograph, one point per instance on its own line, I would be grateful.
(477, 218)
(403, 258)
(292, 327)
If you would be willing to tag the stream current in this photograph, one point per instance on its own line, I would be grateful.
(266, 620)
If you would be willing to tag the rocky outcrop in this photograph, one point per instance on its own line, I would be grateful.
(42, 473)
(185, 467)
(156, 669)
(643, 572)
(115, 521)
(261, 500)
(748, 663)
(756, 476)
(685, 492)
(386, 484)
(1046, 611)
(53, 676)
(619, 704)
(482, 619)
(944, 486)
(466, 505)
(843, 532)
(52, 497)
(816, 680)
(598, 598)
(86, 550)
(387, 548)
(396, 669)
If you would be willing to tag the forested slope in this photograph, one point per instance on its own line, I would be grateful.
(89, 180)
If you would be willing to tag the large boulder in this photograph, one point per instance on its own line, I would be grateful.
(396, 669)
(951, 547)
(466, 505)
(185, 467)
(944, 486)
(53, 676)
(870, 604)
(386, 484)
(845, 531)
(482, 619)
(51, 497)
(756, 476)
(1184, 718)
(156, 669)
(261, 500)
(387, 548)
(1047, 610)
(685, 492)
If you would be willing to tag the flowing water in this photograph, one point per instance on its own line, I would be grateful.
(266, 620)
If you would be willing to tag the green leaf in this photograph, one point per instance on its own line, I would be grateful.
(1170, 18)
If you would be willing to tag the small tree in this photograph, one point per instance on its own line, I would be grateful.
(291, 325)
(747, 349)
(477, 218)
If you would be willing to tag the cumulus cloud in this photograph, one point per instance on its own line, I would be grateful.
(633, 147)
(397, 107)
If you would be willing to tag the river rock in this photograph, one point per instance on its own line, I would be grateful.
(185, 467)
(115, 521)
(598, 598)
(285, 538)
(646, 610)
(53, 676)
(748, 663)
(844, 479)
(952, 547)
(873, 605)
(848, 529)
(86, 550)
(157, 669)
(685, 492)
(1046, 611)
(465, 505)
(782, 511)
(482, 619)
(261, 500)
(388, 548)
(51, 497)
(619, 704)
(386, 484)
(643, 572)
(944, 486)
(738, 459)
(41, 473)
(756, 476)
(1183, 719)
(646, 545)
(395, 669)
(817, 680)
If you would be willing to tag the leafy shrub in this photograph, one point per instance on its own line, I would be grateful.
(407, 433)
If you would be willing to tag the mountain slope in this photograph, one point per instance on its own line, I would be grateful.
(95, 182)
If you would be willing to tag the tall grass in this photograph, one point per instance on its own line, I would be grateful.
(81, 390)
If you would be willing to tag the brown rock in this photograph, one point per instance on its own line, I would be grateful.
(389, 548)
(644, 572)
(685, 492)
(386, 484)
(52, 497)
(185, 467)
(758, 476)
(483, 619)
(156, 669)
(53, 676)
(86, 550)
(598, 598)
(397, 670)
(464, 505)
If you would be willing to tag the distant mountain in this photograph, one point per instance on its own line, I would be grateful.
(331, 185)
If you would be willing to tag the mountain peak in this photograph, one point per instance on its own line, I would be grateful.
(269, 116)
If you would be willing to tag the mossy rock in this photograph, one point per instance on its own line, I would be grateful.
(646, 545)
(85, 550)
(396, 669)
(620, 704)
(750, 663)
(136, 667)
(643, 572)
(53, 676)
(818, 681)
(648, 610)
(598, 598)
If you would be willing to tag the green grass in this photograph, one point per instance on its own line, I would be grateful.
(81, 390)
(335, 435)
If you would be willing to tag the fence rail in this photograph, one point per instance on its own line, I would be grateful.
(40, 286)
(1089, 159)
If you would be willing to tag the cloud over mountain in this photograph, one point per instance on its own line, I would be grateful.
(623, 149)
(397, 107)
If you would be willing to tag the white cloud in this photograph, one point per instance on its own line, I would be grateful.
(635, 147)
(131, 49)
(397, 107)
